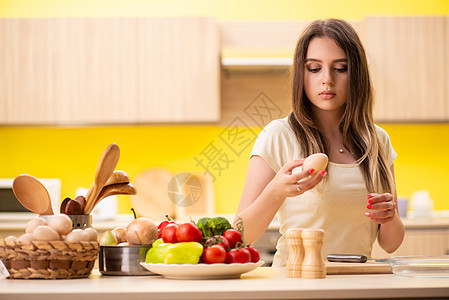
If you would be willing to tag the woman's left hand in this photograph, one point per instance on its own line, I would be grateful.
(381, 207)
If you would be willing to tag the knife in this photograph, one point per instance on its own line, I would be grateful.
(354, 258)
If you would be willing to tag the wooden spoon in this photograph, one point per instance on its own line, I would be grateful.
(105, 168)
(117, 177)
(115, 189)
(32, 194)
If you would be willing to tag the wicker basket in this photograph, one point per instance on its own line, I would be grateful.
(48, 260)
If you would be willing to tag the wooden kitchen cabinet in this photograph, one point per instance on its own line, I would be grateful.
(408, 59)
(157, 70)
(409, 62)
(109, 70)
(424, 239)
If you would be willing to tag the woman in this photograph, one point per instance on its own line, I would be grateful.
(354, 201)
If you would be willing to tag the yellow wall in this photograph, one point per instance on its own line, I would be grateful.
(72, 153)
(222, 10)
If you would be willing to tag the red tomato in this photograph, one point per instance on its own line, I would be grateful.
(233, 236)
(189, 232)
(161, 227)
(217, 240)
(165, 223)
(240, 256)
(214, 255)
(169, 233)
(255, 256)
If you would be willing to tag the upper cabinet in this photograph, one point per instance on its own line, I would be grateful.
(164, 70)
(409, 62)
(408, 59)
(109, 70)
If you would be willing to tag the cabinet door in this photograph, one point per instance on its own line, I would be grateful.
(409, 62)
(419, 241)
(109, 70)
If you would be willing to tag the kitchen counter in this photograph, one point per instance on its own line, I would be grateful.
(262, 283)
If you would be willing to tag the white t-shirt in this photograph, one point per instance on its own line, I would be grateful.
(338, 207)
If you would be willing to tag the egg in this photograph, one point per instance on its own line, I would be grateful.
(61, 223)
(11, 238)
(45, 233)
(77, 235)
(33, 223)
(26, 237)
(92, 233)
(317, 162)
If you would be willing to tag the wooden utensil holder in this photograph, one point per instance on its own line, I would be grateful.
(78, 221)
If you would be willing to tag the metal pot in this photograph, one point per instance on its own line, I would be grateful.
(123, 260)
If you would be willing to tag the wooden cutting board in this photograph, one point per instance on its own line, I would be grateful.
(196, 192)
(152, 200)
(182, 196)
(336, 268)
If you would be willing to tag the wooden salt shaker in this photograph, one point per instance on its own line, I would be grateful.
(313, 265)
(296, 252)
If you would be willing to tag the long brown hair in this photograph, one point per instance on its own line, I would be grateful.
(357, 125)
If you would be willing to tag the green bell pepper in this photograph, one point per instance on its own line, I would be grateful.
(183, 253)
(155, 254)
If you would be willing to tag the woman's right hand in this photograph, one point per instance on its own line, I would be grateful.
(286, 184)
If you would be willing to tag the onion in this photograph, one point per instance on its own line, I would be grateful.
(141, 231)
(120, 234)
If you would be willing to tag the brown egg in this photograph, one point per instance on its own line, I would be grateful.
(33, 223)
(77, 235)
(92, 233)
(45, 233)
(61, 223)
(317, 162)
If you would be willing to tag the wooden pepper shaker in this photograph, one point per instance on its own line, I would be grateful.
(296, 252)
(313, 265)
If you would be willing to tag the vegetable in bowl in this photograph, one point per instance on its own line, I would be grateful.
(213, 226)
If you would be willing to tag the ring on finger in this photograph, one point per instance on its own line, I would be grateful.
(298, 188)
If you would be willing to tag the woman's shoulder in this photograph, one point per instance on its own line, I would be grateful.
(385, 140)
(274, 145)
(382, 133)
(278, 127)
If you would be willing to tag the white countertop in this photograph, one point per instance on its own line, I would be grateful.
(262, 283)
